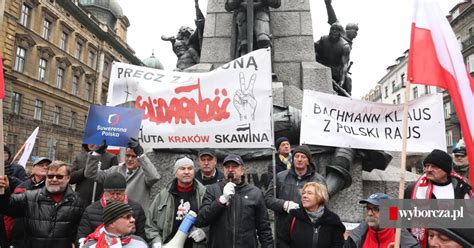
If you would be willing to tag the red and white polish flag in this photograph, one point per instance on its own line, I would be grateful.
(435, 59)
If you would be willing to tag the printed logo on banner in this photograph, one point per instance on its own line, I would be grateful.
(105, 123)
(229, 107)
(114, 119)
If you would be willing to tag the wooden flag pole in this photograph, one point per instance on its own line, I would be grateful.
(401, 187)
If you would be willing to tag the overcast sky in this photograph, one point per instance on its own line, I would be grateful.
(384, 31)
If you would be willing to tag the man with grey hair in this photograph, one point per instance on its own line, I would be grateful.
(56, 199)
(183, 194)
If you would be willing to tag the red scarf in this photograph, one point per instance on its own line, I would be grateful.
(381, 238)
(424, 184)
(106, 241)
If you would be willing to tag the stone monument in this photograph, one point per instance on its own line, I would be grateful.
(295, 69)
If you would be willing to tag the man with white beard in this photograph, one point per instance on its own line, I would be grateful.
(51, 214)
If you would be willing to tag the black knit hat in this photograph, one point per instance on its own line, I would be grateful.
(440, 159)
(279, 141)
(462, 236)
(303, 149)
(115, 181)
(114, 210)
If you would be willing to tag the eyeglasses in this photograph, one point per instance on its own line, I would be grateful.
(127, 216)
(128, 156)
(373, 209)
(59, 177)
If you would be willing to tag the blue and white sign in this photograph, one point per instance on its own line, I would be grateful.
(115, 125)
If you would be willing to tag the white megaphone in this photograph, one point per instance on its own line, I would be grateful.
(182, 234)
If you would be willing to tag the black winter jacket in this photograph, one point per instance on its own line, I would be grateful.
(238, 224)
(327, 231)
(46, 224)
(218, 177)
(460, 189)
(92, 218)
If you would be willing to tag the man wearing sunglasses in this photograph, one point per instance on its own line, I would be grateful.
(51, 214)
(370, 234)
(138, 170)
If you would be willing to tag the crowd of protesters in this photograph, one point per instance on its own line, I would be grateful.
(111, 203)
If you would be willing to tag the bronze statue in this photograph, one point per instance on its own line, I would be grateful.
(187, 43)
(333, 51)
(349, 34)
(252, 17)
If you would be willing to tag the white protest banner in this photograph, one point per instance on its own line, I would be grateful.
(229, 107)
(331, 120)
(28, 148)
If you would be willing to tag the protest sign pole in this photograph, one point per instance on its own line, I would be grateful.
(401, 187)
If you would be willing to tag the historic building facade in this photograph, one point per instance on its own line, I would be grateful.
(57, 59)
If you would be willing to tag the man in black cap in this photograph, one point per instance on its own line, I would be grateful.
(208, 173)
(118, 228)
(289, 183)
(114, 190)
(235, 210)
(450, 237)
(437, 183)
(370, 234)
(283, 157)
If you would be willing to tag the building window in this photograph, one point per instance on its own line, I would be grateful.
(78, 50)
(393, 86)
(394, 102)
(38, 115)
(415, 92)
(386, 91)
(16, 103)
(449, 138)
(91, 59)
(88, 91)
(470, 62)
(60, 78)
(25, 15)
(63, 41)
(399, 99)
(42, 69)
(46, 29)
(72, 120)
(427, 89)
(106, 69)
(56, 115)
(75, 85)
(12, 142)
(447, 110)
(402, 79)
(70, 153)
(20, 59)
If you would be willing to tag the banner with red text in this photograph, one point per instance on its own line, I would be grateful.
(229, 107)
(332, 120)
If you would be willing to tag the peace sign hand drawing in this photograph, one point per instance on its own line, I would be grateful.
(244, 101)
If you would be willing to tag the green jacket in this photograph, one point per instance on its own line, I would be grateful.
(159, 223)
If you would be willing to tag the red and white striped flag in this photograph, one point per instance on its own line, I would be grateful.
(435, 59)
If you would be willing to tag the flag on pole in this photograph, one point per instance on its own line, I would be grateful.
(2, 80)
(435, 59)
(29, 144)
